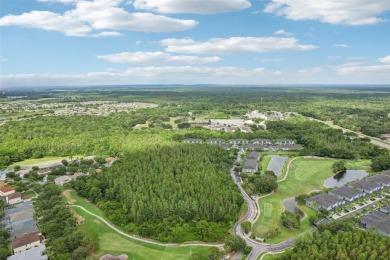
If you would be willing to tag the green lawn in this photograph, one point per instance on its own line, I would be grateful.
(264, 163)
(41, 162)
(304, 176)
(111, 242)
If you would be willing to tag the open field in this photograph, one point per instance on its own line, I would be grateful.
(111, 242)
(264, 163)
(304, 176)
(42, 162)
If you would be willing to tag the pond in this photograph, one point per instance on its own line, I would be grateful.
(291, 205)
(276, 164)
(339, 180)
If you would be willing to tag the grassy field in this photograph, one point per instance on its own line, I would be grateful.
(111, 242)
(304, 176)
(264, 163)
(42, 162)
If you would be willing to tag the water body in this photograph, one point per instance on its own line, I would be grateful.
(341, 179)
(291, 205)
(276, 164)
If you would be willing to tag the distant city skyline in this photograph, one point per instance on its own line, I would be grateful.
(119, 42)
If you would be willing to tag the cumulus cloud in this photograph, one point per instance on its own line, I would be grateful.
(351, 12)
(235, 45)
(155, 57)
(385, 59)
(89, 16)
(356, 69)
(191, 6)
(283, 32)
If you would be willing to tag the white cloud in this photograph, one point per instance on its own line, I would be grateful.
(269, 59)
(283, 32)
(91, 16)
(235, 45)
(107, 34)
(192, 6)
(385, 59)
(358, 69)
(341, 45)
(348, 12)
(155, 57)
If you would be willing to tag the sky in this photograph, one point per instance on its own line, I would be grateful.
(119, 42)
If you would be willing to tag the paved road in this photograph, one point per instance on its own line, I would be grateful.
(139, 238)
(374, 140)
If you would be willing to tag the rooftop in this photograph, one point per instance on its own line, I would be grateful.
(35, 253)
(377, 219)
(363, 184)
(6, 189)
(250, 164)
(253, 155)
(324, 199)
(26, 239)
(379, 178)
(14, 195)
(20, 228)
(345, 191)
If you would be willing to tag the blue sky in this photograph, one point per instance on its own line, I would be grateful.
(88, 42)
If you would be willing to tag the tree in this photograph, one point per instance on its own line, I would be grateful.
(234, 243)
(17, 168)
(339, 167)
(64, 162)
(246, 226)
(290, 220)
(265, 183)
(214, 254)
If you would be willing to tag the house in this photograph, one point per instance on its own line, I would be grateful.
(387, 173)
(238, 141)
(13, 198)
(256, 114)
(76, 175)
(25, 242)
(378, 221)
(44, 171)
(284, 142)
(385, 137)
(215, 141)
(62, 180)
(245, 129)
(365, 186)
(253, 155)
(346, 193)
(291, 147)
(250, 166)
(229, 129)
(19, 219)
(216, 127)
(324, 201)
(7, 191)
(35, 253)
(193, 141)
(253, 147)
(381, 179)
(21, 173)
(385, 209)
(261, 141)
(198, 123)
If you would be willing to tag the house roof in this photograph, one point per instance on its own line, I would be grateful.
(386, 173)
(25, 226)
(253, 155)
(14, 195)
(238, 140)
(193, 139)
(292, 146)
(386, 208)
(345, 191)
(325, 200)
(44, 171)
(216, 140)
(26, 239)
(35, 253)
(6, 189)
(363, 184)
(63, 178)
(283, 140)
(261, 140)
(379, 178)
(77, 174)
(377, 219)
(250, 164)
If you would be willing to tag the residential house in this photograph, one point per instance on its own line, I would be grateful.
(216, 127)
(253, 155)
(76, 175)
(13, 198)
(291, 147)
(44, 171)
(238, 141)
(215, 141)
(7, 191)
(346, 193)
(324, 201)
(284, 142)
(385, 209)
(25, 242)
(381, 179)
(230, 129)
(193, 141)
(256, 114)
(378, 221)
(199, 123)
(365, 186)
(261, 141)
(256, 147)
(250, 166)
(62, 180)
(35, 253)
(245, 129)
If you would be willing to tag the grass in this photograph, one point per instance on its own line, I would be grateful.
(41, 162)
(218, 115)
(264, 163)
(304, 176)
(110, 242)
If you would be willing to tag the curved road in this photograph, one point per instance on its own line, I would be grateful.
(139, 238)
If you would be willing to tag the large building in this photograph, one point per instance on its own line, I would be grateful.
(25, 242)
(346, 193)
(324, 201)
(377, 221)
(250, 166)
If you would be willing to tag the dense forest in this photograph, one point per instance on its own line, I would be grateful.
(63, 238)
(340, 240)
(172, 194)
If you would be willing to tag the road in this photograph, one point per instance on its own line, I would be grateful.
(374, 140)
(140, 238)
